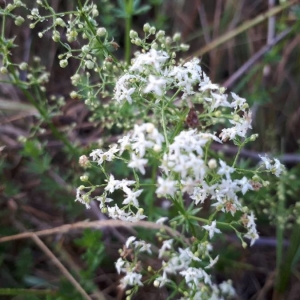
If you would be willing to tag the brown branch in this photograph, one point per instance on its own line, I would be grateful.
(245, 26)
(60, 266)
(251, 62)
(94, 224)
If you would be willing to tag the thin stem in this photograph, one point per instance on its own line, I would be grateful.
(237, 155)
(3, 27)
(128, 25)
(164, 126)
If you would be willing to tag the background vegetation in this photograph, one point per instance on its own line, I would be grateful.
(250, 47)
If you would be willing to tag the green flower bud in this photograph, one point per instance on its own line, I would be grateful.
(63, 63)
(184, 47)
(3, 70)
(60, 22)
(23, 66)
(146, 27)
(152, 30)
(56, 36)
(101, 31)
(133, 34)
(89, 64)
(177, 37)
(19, 21)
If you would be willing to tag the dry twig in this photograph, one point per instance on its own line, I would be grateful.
(94, 224)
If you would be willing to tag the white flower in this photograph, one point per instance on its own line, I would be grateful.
(112, 184)
(166, 187)
(131, 196)
(251, 220)
(212, 262)
(192, 276)
(227, 288)
(225, 169)
(199, 195)
(245, 185)
(120, 264)
(155, 85)
(103, 199)
(161, 281)
(212, 229)
(167, 245)
(192, 255)
(206, 84)
(252, 235)
(138, 163)
(228, 133)
(161, 220)
(129, 241)
(277, 168)
(125, 143)
(131, 278)
(123, 91)
(238, 101)
(80, 196)
(142, 246)
(152, 58)
(217, 100)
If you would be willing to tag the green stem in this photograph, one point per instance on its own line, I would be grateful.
(3, 27)
(23, 292)
(128, 25)
(237, 155)
(105, 49)
(163, 121)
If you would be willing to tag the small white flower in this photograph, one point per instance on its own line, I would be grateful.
(212, 262)
(132, 279)
(238, 101)
(161, 220)
(227, 288)
(138, 163)
(131, 196)
(167, 245)
(129, 241)
(155, 85)
(120, 264)
(212, 229)
(161, 281)
(165, 187)
(252, 235)
(142, 246)
(225, 169)
(112, 184)
(277, 168)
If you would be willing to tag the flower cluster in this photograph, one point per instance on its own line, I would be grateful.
(184, 169)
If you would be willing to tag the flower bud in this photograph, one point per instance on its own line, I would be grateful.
(156, 283)
(133, 34)
(176, 37)
(84, 178)
(253, 137)
(23, 66)
(146, 27)
(60, 22)
(101, 31)
(212, 163)
(89, 64)
(19, 21)
(152, 30)
(56, 36)
(3, 70)
(63, 63)
(184, 47)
